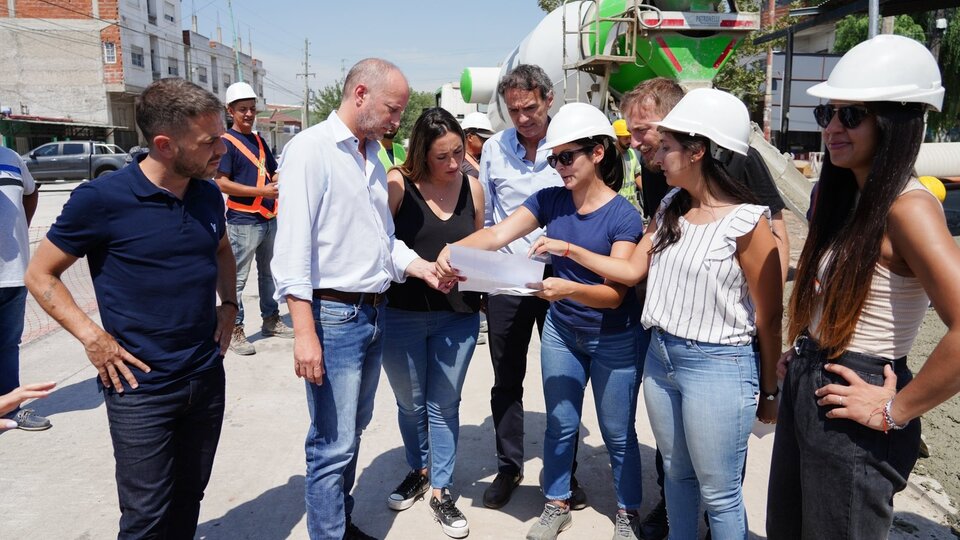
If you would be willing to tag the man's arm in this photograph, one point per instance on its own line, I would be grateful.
(30, 205)
(236, 189)
(43, 281)
(227, 290)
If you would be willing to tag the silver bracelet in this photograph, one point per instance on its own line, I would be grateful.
(888, 418)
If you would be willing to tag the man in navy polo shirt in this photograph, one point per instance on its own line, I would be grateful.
(154, 236)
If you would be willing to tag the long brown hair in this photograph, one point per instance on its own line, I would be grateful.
(846, 233)
(432, 124)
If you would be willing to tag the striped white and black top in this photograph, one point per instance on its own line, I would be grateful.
(696, 288)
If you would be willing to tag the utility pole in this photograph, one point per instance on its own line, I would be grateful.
(236, 43)
(768, 92)
(305, 113)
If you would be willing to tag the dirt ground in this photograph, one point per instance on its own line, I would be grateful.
(941, 426)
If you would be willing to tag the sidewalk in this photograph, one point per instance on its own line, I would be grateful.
(59, 484)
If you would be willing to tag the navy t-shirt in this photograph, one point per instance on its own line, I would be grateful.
(238, 168)
(616, 221)
(153, 261)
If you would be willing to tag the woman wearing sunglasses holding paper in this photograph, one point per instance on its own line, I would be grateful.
(592, 330)
(849, 428)
(714, 296)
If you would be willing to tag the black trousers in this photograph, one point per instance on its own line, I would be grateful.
(832, 478)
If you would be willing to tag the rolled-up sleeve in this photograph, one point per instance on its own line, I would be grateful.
(303, 180)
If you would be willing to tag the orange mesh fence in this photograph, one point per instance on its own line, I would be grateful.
(77, 279)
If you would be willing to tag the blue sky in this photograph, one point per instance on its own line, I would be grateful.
(431, 40)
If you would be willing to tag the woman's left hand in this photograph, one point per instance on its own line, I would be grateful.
(767, 410)
(553, 289)
(860, 401)
(549, 245)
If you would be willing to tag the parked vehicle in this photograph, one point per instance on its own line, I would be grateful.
(74, 160)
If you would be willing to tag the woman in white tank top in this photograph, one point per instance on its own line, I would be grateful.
(714, 304)
(848, 432)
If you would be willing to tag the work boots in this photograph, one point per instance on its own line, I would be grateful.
(273, 326)
(239, 343)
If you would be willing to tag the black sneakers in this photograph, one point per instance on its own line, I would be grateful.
(409, 491)
(450, 518)
(655, 525)
(499, 492)
(354, 533)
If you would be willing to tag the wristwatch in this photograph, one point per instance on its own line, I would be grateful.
(770, 397)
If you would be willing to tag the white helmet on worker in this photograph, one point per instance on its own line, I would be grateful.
(576, 121)
(238, 91)
(478, 121)
(885, 68)
(714, 114)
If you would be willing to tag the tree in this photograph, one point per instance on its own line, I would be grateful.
(853, 29)
(418, 102)
(548, 5)
(946, 121)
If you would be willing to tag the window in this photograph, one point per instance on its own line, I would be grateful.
(101, 149)
(47, 150)
(136, 56)
(226, 79)
(202, 74)
(109, 52)
(169, 12)
(73, 149)
(173, 67)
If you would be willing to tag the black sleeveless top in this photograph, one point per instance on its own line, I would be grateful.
(427, 234)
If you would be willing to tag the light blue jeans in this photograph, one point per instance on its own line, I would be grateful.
(701, 398)
(425, 356)
(340, 409)
(568, 359)
(249, 241)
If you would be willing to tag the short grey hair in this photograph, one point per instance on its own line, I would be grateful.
(370, 72)
(526, 77)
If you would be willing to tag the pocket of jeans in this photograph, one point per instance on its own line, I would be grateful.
(713, 351)
(825, 377)
(331, 314)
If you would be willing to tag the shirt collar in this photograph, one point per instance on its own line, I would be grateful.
(341, 133)
(512, 141)
(142, 186)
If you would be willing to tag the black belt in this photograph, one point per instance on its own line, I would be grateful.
(356, 298)
(867, 363)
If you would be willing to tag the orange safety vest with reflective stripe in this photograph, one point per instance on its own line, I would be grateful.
(261, 164)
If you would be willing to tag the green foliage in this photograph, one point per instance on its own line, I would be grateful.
(548, 5)
(329, 97)
(950, 69)
(853, 29)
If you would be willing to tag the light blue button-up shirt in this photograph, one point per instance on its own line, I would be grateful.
(508, 179)
(334, 227)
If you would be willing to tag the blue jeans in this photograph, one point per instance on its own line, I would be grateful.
(164, 442)
(568, 359)
(701, 398)
(426, 358)
(249, 241)
(13, 301)
(340, 409)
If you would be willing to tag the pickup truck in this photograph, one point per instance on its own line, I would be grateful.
(73, 160)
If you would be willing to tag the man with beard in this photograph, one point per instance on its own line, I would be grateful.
(155, 239)
(391, 154)
(334, 257)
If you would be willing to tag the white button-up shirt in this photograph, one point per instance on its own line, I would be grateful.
(334, 227)
(508, 179)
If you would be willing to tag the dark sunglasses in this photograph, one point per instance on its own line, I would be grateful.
(850, 115)
(566, 157)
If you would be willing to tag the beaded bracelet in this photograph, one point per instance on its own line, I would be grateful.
(888, 422)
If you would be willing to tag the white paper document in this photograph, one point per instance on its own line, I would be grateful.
(494, 272)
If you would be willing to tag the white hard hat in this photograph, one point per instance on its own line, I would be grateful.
(238, 91)
(885, 68)
(714, 114)
(478, 121)
(577, 121)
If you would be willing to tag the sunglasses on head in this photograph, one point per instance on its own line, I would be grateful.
(850, 115)
(566, 157)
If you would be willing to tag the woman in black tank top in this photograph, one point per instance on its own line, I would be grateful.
(429, 336)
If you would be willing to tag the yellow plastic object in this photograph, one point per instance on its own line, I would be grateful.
(935, 186)
(620, 128)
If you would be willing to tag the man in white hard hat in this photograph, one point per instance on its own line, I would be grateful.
(476, 129)
(248, 176)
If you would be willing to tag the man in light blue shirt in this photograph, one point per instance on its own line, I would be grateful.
(513, 166)
(334, 257)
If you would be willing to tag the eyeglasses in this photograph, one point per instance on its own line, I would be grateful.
(566, 157)
(850, 115)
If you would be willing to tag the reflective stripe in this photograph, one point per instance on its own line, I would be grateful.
(257, 206)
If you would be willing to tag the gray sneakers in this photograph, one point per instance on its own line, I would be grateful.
(239, 343)
(28, 420)
(273, 326)
(625, 527)
(554, 520)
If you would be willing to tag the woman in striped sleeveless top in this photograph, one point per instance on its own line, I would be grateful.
(713, 306)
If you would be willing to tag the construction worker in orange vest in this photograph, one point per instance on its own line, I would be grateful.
(247, 175)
